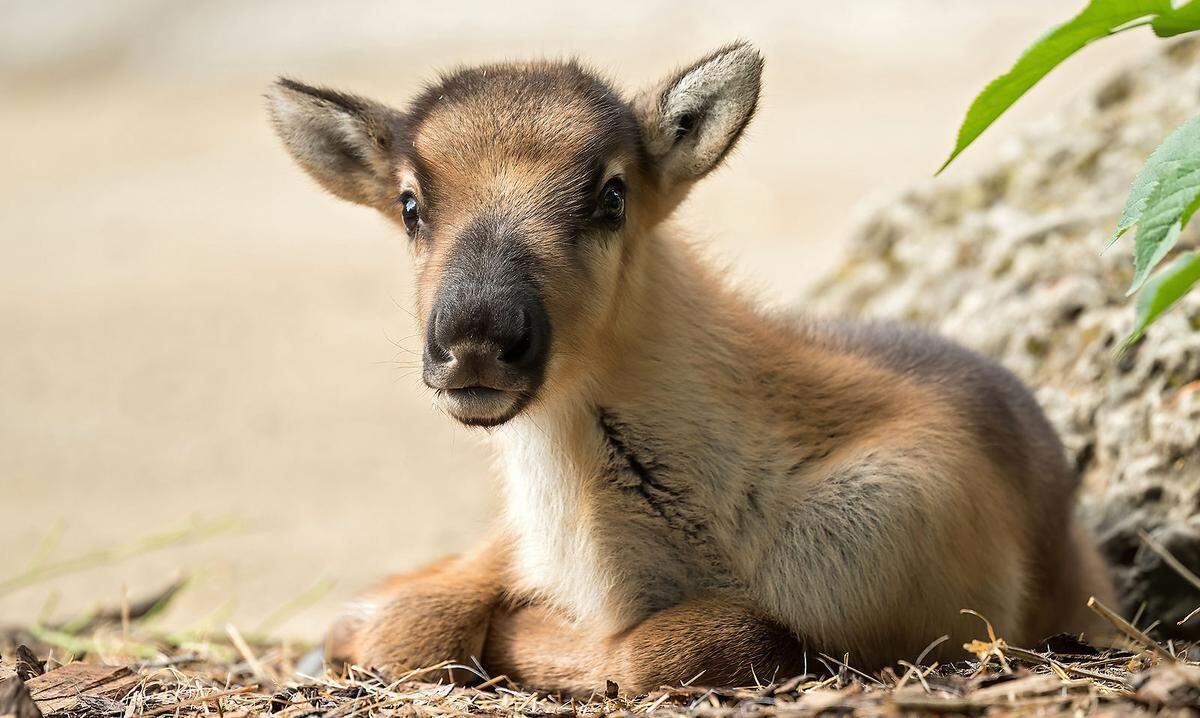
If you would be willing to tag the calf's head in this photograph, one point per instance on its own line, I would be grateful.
(524, 190)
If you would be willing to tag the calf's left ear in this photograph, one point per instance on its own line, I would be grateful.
(343, 141)
(691, 120)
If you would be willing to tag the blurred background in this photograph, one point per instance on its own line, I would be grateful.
(190, 331)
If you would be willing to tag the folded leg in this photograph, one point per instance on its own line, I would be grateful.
(714, 641)
(438, 613)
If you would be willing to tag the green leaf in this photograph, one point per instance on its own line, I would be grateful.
(1187, 213)
(1185, 18)
(1162, 291)
(1180, 146)
(1162, 220)
(1099, 19)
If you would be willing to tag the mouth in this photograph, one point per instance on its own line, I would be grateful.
(483, 406)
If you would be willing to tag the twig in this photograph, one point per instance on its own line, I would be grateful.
(845, 664)
(1128, 629)
(243, 648)
(920, 660)
(1194, 612)
(491, 682)
(913, 670)
(1169, 558)
(201, 699)
(1155, 546)
(1032, 657)
(929, 649)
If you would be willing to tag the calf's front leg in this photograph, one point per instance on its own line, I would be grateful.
(714, 641)
(440, 612)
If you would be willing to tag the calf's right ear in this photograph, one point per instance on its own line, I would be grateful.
(692, 119)
(343, 141)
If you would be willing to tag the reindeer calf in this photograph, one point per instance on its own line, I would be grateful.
(694, 486)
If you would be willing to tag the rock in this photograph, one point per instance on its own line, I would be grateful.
(1010, 264)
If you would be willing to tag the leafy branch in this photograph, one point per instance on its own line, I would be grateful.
(1166, 193)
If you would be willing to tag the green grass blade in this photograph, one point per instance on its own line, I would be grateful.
(81, 646)
(291, 607)
(1162, 291)
(1185, 18)
(197, 530)
(1099, 19)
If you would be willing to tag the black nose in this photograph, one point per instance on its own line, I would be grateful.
(486, 339)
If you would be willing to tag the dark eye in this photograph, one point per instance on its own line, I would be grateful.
(610, 207)
(410, 210)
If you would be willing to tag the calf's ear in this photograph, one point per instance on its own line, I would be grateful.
(343, 141)
(691, 120)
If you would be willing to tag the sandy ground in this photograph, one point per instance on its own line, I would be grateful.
(191, 330)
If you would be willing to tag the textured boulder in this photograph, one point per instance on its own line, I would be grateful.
(1009, 263)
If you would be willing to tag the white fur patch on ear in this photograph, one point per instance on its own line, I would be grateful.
(342, 141)
(694, 118)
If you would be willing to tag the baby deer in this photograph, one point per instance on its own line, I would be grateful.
(694, 486)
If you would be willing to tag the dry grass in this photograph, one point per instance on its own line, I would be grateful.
(226, 674)
(213, 669)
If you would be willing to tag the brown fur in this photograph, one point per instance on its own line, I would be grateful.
(695, 486)
(710, 641)
(443, 611)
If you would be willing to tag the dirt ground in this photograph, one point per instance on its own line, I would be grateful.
(191, 330)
